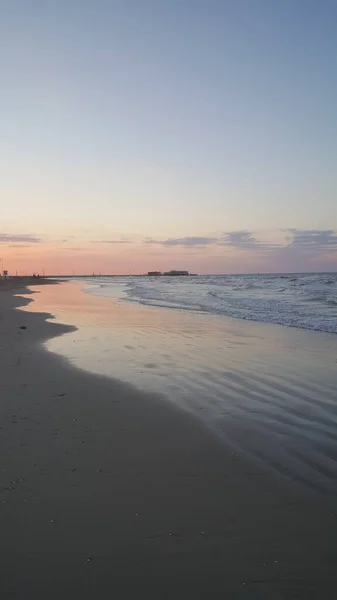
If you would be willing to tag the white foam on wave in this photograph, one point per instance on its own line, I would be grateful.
(303, 301)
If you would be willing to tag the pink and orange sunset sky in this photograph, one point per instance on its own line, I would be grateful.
(190, 134)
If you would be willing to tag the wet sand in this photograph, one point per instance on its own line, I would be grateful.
(268, 390)
(106, 491)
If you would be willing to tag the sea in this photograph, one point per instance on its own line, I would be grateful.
(307, 301)
(254, 357)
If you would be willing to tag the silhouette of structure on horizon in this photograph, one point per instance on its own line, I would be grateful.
(168, 273)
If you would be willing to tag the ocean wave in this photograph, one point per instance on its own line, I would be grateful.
(301, 301)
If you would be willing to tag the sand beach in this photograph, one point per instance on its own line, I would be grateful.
(108, 491)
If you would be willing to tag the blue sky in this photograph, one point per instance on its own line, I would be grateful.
(168, 120)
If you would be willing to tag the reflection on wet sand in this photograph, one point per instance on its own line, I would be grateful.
(268, 389)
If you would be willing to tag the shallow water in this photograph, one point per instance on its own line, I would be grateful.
(306, 301)
(266, 389)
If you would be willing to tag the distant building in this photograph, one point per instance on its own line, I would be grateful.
(154, 273)
(176, 273)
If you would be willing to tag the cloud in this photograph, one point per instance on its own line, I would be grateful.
(187, 242)
(18, 246)
(70, 248)
(8, 238)
(312, 241)
(294, 249)
(246, 240)
(321, 240)
(111, 241)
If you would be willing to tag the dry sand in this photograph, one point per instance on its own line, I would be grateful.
(107, 492)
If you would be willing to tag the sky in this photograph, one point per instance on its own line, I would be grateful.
(153, 134)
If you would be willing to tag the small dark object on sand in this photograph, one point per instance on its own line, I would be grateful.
(22, 327)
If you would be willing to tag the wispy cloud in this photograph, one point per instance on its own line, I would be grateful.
(315, 242)
(187, 242)
(70, 248)
(246, 240)
(293, 248)
(123, 241)
(243, 240)
(314, 239)
(9, 238)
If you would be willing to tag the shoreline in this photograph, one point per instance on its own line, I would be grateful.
(266, 391)
(103, 485)
(300, 301)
